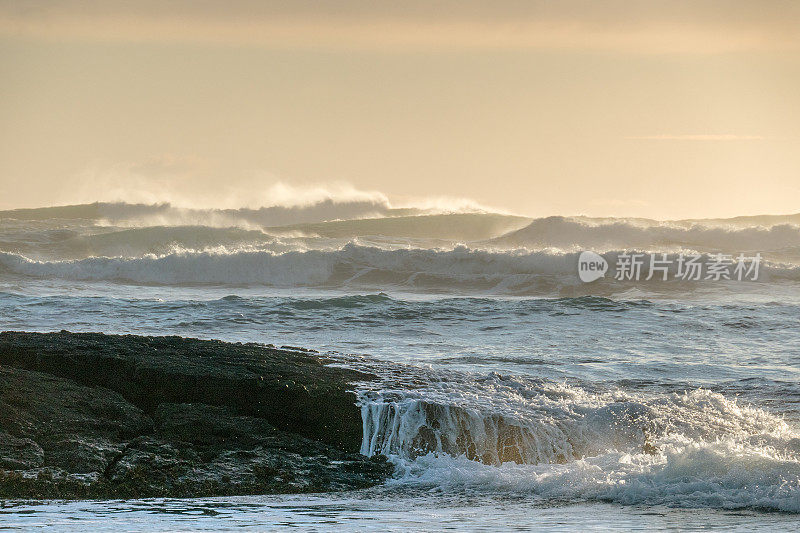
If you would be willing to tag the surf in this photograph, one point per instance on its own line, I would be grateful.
(496, 434)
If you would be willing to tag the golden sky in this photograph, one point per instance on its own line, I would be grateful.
(664, 109)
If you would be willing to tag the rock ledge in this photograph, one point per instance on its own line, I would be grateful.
(88, 415)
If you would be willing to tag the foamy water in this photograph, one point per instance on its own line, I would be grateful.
(510, 392)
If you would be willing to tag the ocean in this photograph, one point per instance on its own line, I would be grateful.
(510, 392)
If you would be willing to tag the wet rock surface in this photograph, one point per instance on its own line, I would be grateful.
(106, 416)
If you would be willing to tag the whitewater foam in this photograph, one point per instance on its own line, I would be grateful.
(722, 475)
(561, 442)
(460, 269)
(317, 275)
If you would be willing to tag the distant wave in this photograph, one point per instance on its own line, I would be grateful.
(570, 233)
(198, 231)
(49, 243)
(376, 217)
(165, 214)
(458, 227)
(460, 267)
(475, 252)
(352, 266)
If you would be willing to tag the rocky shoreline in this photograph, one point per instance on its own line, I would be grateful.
(89, 415)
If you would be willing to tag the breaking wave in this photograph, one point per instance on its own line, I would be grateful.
(65, 242)
(558, 441)
(130, 230)
(574, 233)
(446, 431)
(165, 214)
(353, 266)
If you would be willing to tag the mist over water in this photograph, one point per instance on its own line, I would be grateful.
(501, 374)
(364, 245)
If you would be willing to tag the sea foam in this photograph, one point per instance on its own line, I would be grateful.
(496, 434)
(460, 269)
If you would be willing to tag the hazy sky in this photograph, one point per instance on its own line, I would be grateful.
(664, 109)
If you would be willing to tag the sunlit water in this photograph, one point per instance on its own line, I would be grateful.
(509, 395)
(375, 511)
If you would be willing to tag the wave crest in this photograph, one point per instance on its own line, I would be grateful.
(695, 449)
(461, 269)
(572, 233)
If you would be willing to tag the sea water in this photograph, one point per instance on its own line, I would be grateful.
(510, 394)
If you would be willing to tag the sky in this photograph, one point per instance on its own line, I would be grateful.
(638, 108)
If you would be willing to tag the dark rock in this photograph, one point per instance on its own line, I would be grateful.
(293, 391)
(77, 428)
(92, 415)
(19, 454)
